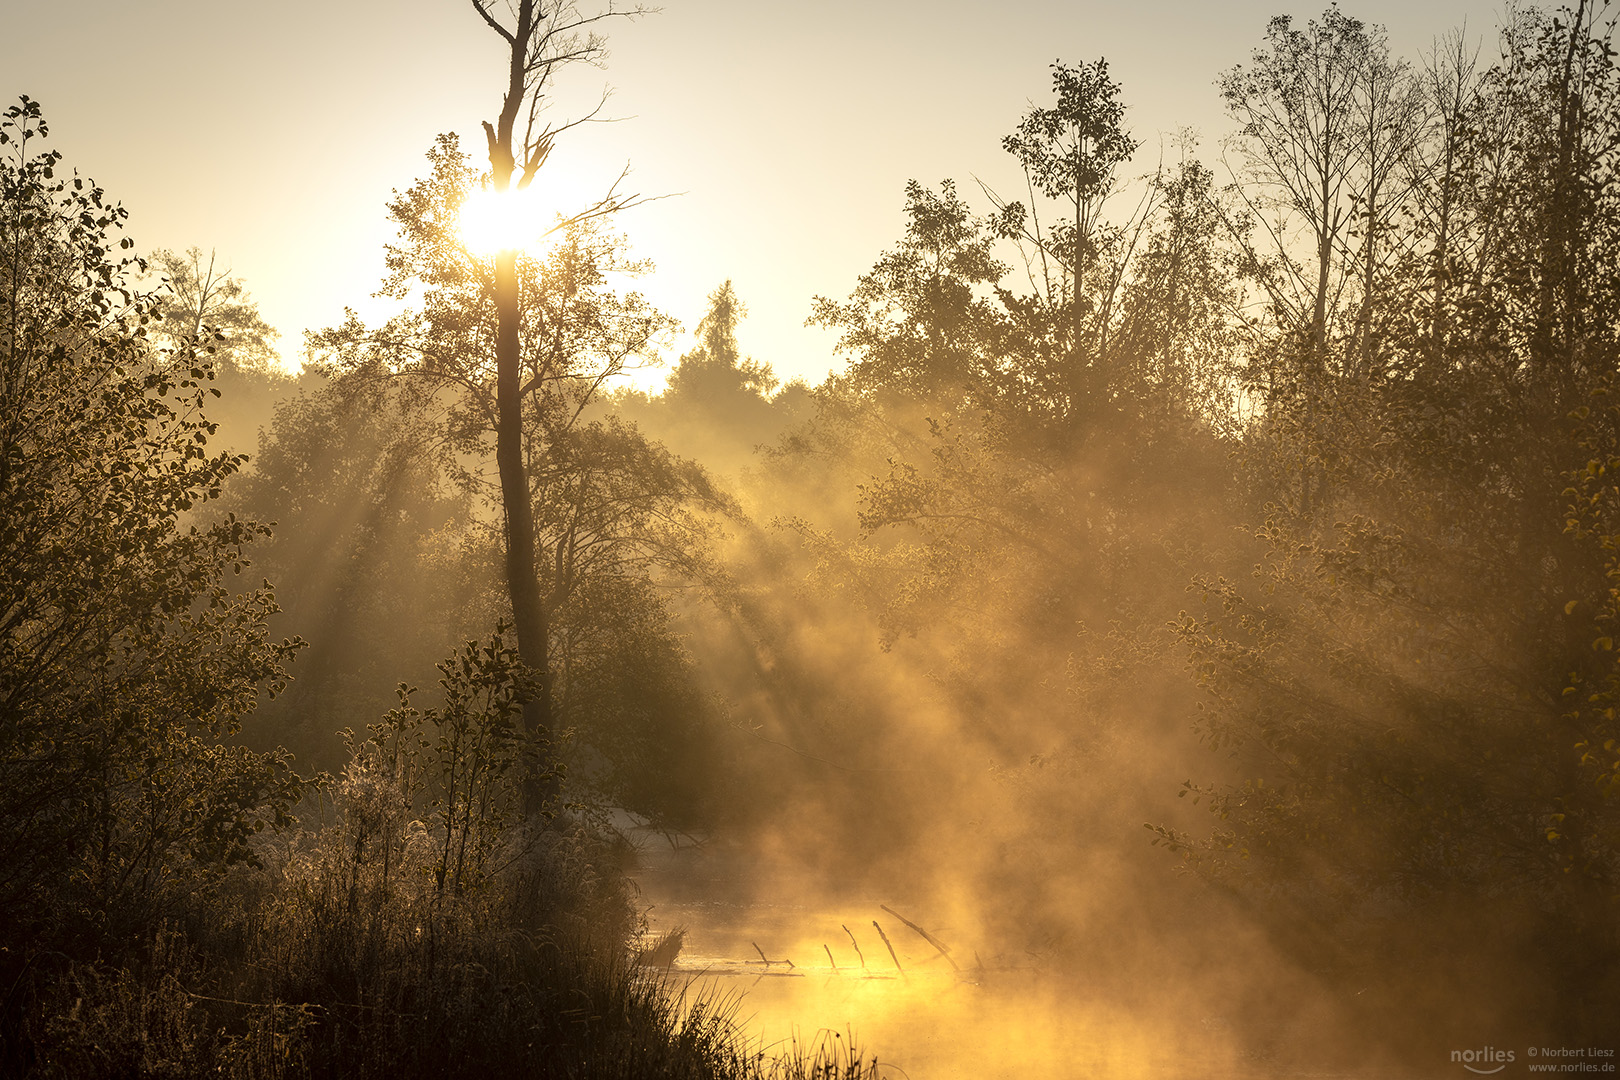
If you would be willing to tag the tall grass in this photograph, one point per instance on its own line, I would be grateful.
(343, 955)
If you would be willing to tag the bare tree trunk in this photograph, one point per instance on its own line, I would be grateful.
(529, 616)
(1324, 264)
(1548, 347)
(1442, 258)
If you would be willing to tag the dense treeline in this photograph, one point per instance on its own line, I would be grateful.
(1288, 495)
(1384, 353)
(1334, 439)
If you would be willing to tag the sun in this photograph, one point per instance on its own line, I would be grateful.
(491, 222)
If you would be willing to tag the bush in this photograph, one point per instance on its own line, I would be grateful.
(125, 661)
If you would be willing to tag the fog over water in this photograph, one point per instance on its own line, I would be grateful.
(1176, 639)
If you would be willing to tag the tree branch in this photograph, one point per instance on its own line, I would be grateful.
(478, 6)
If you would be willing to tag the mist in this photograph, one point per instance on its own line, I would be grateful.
(1175, 640)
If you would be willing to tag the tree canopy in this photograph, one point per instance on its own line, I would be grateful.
(125, 656)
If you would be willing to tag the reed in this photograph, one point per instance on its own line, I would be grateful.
(322, 963)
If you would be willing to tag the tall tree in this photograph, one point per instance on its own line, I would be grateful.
(918, 321)
(1322, 115)
(716, 366)
(1387, 124)
(539, 44)
(601, 500)
(1326, 122)
(1440, 165)
(1071, 153)
(206, 297)
(718, 406)
(1178, 339)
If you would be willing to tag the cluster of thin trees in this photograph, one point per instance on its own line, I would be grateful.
(1329, 428)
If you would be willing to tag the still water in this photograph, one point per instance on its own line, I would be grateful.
(800, 969)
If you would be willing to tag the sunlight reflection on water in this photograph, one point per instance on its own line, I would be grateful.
(1007, 1018)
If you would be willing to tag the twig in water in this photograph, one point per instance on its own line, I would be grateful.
(944, 950)
(886, 945)
(830, 959)
(857, 945)
(768, 961)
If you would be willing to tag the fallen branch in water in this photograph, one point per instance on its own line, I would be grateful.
(830, 959)
(886, 944)
(767, 960)
(857, 945)
(944, 950)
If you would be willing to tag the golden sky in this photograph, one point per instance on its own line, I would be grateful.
(275, 132)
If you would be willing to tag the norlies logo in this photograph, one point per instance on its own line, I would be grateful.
(1476, 1060)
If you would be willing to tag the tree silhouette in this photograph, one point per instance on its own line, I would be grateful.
(209, 300)
(125, 660)
(540, 44)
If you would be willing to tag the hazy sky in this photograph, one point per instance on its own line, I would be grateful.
(274, 132)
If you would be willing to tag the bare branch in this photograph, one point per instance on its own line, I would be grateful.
(483, 12)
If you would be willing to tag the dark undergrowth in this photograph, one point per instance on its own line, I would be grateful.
(340, 957)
